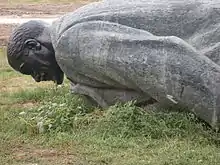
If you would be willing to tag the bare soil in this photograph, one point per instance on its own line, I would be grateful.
(48, 156)
(5, 31)
(31, 10)
(37, 9)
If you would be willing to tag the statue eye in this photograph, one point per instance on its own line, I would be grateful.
(32, 44)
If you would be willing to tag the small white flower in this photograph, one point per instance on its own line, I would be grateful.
(22, 113)
(40, 126)
(61, 105)
(54, 104)
(50, 126)
(200, 161)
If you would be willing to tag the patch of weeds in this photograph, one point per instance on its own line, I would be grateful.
(8, 73)
(56, 114)
(70, 113)
(38, 94)
(10, 124)
(127, 120)
(7, 70)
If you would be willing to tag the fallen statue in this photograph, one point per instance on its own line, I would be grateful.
(164, 51)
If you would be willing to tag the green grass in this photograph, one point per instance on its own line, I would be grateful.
(43, 124)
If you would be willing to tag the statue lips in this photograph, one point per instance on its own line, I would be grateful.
(37, 77)
(58, 78)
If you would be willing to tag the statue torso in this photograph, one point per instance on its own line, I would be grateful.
(185, 19)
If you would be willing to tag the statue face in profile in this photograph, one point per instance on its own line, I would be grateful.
(33, 53)
(39, 62)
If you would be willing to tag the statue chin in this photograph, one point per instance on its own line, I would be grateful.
(58, 78)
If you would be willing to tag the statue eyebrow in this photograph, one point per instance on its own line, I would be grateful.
(21, 65)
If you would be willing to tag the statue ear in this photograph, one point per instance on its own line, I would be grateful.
(32, 44)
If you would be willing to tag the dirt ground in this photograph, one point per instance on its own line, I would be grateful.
(5, 31)
(30, 10)
(37, 9)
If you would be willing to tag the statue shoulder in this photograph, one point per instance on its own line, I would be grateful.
(63, 23)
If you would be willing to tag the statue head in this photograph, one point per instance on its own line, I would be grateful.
(30, 52)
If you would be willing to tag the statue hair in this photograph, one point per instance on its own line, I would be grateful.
(28, 30)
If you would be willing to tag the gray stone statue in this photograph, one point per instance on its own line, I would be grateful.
(164, 51)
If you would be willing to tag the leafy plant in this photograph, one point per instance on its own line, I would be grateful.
(57, 114)
(127, 120)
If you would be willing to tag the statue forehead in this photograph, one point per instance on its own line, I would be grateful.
(44, 36)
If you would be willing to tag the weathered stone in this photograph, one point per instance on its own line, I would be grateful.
(166, 49)
(106, 97)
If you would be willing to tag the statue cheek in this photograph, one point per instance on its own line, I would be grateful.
(45, 56)
(26, 52)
